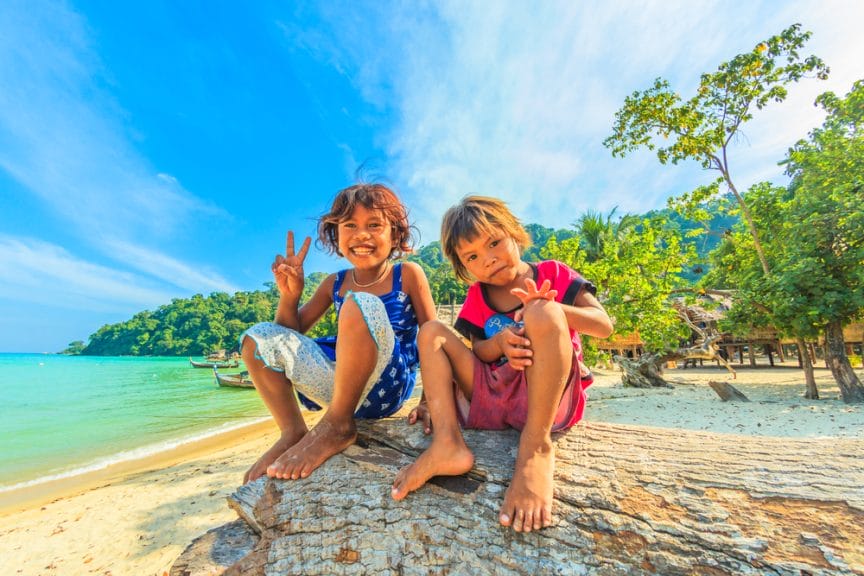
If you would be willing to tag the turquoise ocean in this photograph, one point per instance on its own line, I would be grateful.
(67, 415)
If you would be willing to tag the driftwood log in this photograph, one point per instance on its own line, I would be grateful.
(628, 500)
(646, 371)
(727, 392)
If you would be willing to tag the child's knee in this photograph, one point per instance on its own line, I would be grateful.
(431, 331)
(544, 317)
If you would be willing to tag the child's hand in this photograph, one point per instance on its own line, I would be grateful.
(421, 414)
(288, 269)
(515, 346)
(533, 292)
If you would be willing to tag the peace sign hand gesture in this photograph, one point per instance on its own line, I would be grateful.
(288, 269)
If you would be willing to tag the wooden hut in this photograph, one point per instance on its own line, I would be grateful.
(629, 345)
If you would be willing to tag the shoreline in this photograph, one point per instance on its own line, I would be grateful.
(136, 517)
(32, 495)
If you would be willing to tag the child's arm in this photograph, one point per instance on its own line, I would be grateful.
(416, 285)
(587, 316)
(317, 306)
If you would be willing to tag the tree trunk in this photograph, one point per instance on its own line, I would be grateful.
(812, 392)
(835, 356)
(748, 219)
(628, 500)
(645, 371)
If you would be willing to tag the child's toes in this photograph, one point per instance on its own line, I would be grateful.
(547, 516)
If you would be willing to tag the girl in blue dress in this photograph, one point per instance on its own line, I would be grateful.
(368, 369)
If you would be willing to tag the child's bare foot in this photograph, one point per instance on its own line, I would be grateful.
(444, 457)
(285, 441)
(528, 501)
(326, 439)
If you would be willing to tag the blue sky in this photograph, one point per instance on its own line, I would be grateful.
(155, 150)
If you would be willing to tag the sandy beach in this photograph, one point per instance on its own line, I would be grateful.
(137, 518)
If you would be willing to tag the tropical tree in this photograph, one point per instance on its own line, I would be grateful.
(74, 348)
(815, 230)
(703, 127)
(444, 285)
(762, 300)
(827, 172)
(636, 266)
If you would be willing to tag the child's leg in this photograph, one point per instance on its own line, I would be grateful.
(443, 356)
(528, 500)
(278, 395)
(357, 361)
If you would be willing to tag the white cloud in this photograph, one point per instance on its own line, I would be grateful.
(514, 99)
(33, 271)
(170, 270)
(65, 139)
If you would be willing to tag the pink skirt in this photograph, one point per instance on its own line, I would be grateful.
(500, 398)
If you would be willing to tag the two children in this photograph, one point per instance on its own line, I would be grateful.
(523, 369)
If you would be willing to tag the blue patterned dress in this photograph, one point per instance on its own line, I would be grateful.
(310, 364)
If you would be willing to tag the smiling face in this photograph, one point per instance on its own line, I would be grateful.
(365, 237)
(492, 258)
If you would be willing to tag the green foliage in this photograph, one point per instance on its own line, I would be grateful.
(186, 327)
(636, 264)
(813, 232)
(703, 227)
(825, 211)
(445, 287)
(74, 348)
(703, 127)
(540, 235)
(326, 326)
(698, 128)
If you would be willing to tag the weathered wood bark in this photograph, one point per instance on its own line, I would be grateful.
(727, 392)
(851, 389)
(643, 372)
(628, 499)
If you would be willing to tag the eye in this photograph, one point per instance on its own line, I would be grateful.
(494, 243)
(348, 225)
(471, 258)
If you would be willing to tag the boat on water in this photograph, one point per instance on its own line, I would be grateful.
(212, 364)
(240, 380)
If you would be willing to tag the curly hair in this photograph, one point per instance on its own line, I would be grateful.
(475, 216)
(372, 197)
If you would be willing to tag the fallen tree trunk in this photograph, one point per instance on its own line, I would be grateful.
(645, 371)
(727, 392)
(628, 500)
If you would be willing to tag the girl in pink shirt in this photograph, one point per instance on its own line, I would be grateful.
(523, 369)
